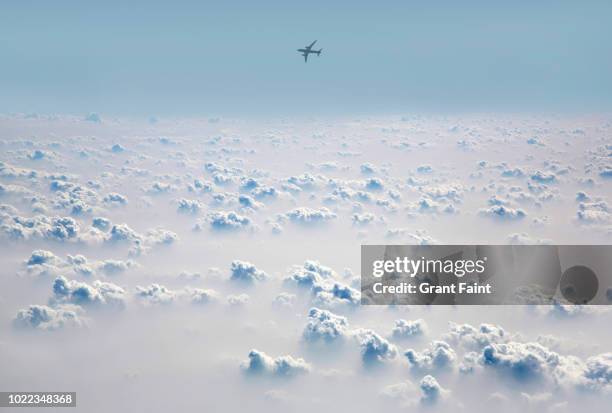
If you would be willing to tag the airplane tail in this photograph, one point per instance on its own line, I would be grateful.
(319, 52)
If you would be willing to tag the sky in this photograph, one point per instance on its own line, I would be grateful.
(239, 58)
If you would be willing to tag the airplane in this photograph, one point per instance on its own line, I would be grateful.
(308, 50)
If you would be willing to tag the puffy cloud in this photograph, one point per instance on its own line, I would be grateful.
(367, 169)
(476, 338)
(45, 263)
(39, 227)
(264, 192)
(374, 184)
(594, 212)
(115, 199)
(80, 293)
(113, 267)
(157, 188)
(42, 257)
(598, 372)
(247, 202)
(374, 348)
(332, 293)
(363, 219)
(305, 182)
(160, 236)
(140, 243)
(408, 329)
(238, 300)
(37, 155)
(42, 317)
(259, 363)
(308, 216)
(155, 294)
(246, 272)
(200, 296)
(439, 355)
(324, 289)
(543, 177)
(503, 212)
(324, 326)
(122, 232)
(101, 223)
(431, 391)
(520, 360)
(189, 206)
(224, 221)
(310, 274)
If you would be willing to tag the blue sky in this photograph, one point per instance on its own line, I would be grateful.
(239, 58)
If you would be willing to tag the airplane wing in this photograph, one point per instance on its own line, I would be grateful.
(311, 44)
(305, 57)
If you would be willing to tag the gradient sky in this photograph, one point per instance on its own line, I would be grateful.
(239, 58)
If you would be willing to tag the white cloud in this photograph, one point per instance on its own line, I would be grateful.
(246, 272)
(259, 363)
(324, 326)
(42, 317)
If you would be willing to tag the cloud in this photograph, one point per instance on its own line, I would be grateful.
(259, 363)
(238, 300)
(543, 177)
(155, 294)
(323, 288)
(158, 188)
(247, 202)
(594, 213)
(62, 229)
(42, 257)
(160, 236)
(424, 169)
(475, 338)
(224, 221)
(310, 274)
(374, 348)
(246, 272)
(140, 243)
(93, 117)
(42, 317)
(503, 212)
(367, 169)
(324, 326)
(189, 206)
(45, 263)
(520, 360)
(438, 356)
(98, 294)
(201, 296)
(419, 237)
(431, 391)
(374, 184)
(408, 329)
(284, 300)
(114, 198)
(598, 372)
(525, 239)
(308, 216)
(363, 219)
(101, 223)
